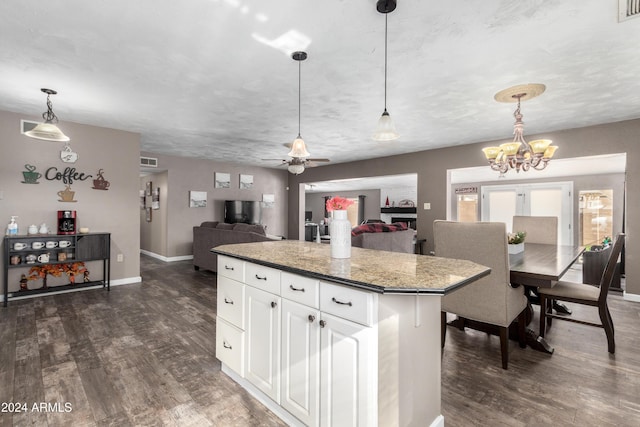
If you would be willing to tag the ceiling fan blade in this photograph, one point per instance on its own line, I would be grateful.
(318, 160)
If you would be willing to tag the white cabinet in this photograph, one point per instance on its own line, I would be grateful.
(230, 314)
(262, 341)
(300, 376)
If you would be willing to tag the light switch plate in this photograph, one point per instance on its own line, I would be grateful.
(427, 206)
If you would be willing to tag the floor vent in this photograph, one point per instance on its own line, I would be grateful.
(149, 162)
(628, 9)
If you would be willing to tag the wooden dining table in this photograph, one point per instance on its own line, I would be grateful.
(541, 265)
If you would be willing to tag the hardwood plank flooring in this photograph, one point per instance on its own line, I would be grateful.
(144, 354)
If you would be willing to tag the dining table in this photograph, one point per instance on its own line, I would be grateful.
(541, 265)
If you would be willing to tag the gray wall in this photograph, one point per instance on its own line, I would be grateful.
(184, 174)
(431, 167)
(114, 210)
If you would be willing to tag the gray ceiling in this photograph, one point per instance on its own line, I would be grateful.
(214, 78)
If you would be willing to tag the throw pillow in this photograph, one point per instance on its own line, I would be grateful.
(225, 226)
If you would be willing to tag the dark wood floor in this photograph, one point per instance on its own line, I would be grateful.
(143, 354)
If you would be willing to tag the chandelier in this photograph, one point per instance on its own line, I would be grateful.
(519, 154)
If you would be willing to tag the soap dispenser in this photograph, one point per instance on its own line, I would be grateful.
(12, 228)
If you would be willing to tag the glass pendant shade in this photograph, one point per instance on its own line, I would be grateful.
(298, 149)
(48, 132)
(296, 169)
(386, 130)
(539, 146)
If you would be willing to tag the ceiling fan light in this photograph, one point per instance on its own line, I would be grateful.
(386, 130)
(48, 132)
(298, 149)
(296, 169)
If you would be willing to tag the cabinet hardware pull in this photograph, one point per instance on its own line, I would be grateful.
(225, 345)
(323, 323)
(312, 318)
(226, 267)
(228, 301)
(261, 278)
(273, 304)
(342, 303)
(296, 289)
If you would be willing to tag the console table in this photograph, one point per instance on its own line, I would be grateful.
(22, 252)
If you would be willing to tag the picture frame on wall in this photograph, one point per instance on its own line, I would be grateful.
(148, 214)
(197, 199)
(148, 188)
(155, 198)
(222, 180)
(246, 181)
(143, 200)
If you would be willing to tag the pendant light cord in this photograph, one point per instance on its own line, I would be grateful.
(385, 62)
(299, 94)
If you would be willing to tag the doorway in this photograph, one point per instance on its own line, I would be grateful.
(500, 203)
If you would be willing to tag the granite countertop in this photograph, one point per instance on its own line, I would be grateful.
(378, 271)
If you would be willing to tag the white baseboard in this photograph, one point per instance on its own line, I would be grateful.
(164, 258)
(630, 297)
(125, 281)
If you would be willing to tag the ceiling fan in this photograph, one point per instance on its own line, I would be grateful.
(297, 165)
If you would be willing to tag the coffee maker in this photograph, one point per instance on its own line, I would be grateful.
(66, 222)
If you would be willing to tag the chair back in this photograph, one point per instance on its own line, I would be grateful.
(610, 268)
(490, 299)
(539, 229)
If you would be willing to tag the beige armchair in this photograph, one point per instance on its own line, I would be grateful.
(490, 302)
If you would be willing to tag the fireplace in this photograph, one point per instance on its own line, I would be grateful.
(411, 222)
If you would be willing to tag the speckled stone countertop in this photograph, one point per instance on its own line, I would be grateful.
(378, 271)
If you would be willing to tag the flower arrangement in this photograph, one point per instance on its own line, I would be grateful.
(338, 203)
(71, 269)
(517, 237)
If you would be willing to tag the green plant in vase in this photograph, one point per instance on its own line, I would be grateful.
(517, 237)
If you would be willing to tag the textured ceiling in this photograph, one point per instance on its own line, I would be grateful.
(214, 79)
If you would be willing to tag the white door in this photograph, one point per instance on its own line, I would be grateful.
(300, 376)
(262, 341)
(501, 202)
(347, 390)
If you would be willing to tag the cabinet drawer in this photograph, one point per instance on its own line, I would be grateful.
(300, 289)
(230, 346)
(231, 268)
(231, 301)
(348, 303)
(265, 278)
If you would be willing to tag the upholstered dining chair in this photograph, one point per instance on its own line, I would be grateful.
(539, 229)
(580, 293)
(489, 302)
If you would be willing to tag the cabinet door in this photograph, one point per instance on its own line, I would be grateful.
(92, 247)
(262, 341)
(348, 373)
(300, 376)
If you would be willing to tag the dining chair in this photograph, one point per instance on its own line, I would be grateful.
(580, 293)
(539, 229)
(489, 303)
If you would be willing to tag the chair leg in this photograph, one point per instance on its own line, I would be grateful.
(504, 346)
(543, 317)
(443, 328)
(549, 310)
(522, 320)
(607, 323)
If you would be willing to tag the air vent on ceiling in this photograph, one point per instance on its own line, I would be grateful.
(149, 162)
(628, 9)
(27, 125)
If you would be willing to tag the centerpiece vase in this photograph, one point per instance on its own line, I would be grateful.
(340, 232)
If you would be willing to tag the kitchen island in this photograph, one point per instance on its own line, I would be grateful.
(325, 341)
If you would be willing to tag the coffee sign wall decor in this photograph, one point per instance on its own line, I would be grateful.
(67, 176)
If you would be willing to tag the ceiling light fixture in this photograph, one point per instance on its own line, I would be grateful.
(48, 130)
(519, 154)
(386, 130)
(296, 166)
(298, 149)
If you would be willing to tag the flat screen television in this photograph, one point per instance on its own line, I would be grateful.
(246, 211)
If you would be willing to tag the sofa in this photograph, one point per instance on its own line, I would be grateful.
(210, 234)
(384, 237)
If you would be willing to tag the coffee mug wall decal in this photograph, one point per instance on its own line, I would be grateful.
(30, 175)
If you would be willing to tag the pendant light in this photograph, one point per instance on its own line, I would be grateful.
(386, 130)
(48, 130)
(298, 149)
